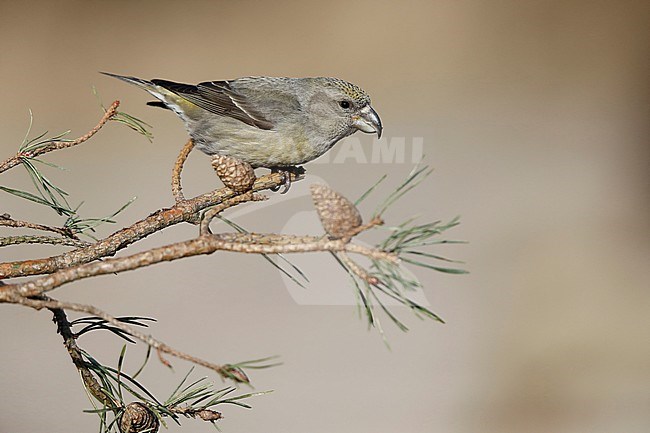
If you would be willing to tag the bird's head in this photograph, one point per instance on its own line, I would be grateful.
(344, 108)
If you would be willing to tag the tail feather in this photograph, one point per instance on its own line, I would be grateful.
(133, 80)
(158, 89)
(151, 87)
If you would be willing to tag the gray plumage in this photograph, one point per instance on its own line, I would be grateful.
(266, 121)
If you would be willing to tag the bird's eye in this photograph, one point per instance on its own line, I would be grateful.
(345, 104)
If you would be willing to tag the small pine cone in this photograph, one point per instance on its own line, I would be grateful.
(234, 173)
(337, 214)
(209, 415)
(138, 418)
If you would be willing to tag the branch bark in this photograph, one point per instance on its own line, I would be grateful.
(181, 212)
(7, 221)
(250, 243)
(64, 329)
(52, 240)
(177, 188)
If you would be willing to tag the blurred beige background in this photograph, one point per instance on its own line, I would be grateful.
(534, 115)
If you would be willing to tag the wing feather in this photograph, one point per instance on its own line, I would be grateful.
(219, 98)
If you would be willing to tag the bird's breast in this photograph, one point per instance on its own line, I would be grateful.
(285, 145)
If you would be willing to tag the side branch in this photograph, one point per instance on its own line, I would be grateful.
(51, 240)
(58, 307)
(177, 188)
(181, 212)
(56, 145)
(7, 221)
(65, 330)
(205, 244)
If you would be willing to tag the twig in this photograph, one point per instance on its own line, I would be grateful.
(64, 328)
(27, 239)
(57, 145)
(52, 304)
(7, 221)
(376, 221)
(207, 244)
(162, 359)
(177, 188)
(357, 269)
(372, 253)
(181, 212)
(211, 213)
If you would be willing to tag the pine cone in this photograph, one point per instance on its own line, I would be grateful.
(234, 173)
(138, 418)
(209, 415)
(337, 214)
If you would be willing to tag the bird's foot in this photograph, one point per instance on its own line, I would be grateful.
(287, 173)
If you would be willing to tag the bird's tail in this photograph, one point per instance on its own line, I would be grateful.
(147, 85)
(133, 80)
(164, 96)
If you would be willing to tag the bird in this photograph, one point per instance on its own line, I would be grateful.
(270, 122)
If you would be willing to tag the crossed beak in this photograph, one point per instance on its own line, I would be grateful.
(368, 121)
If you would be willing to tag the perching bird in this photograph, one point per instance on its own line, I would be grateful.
(270, 122)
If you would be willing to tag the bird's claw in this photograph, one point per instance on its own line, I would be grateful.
(286, 182)
(286, 173)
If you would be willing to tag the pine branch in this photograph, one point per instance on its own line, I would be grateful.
(26, 239)
(52, 145)
(177, 188)
(184, 211)
(7, 221)
(51, 304)
(384, 277)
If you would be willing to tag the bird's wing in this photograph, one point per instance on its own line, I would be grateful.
(220, 98)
